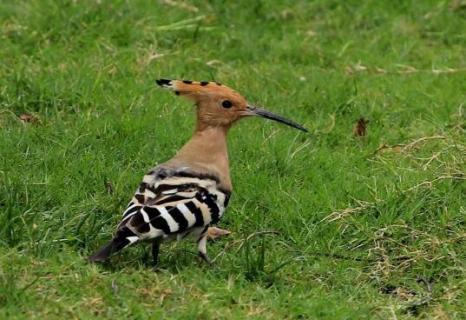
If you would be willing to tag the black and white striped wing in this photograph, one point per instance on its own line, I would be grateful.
(171, 202)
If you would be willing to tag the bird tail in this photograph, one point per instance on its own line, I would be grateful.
(114, 245)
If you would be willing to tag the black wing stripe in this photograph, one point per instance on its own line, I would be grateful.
(207, 198)
(131, 210)
(162, 173)
(200, 176)
(173, 198)
(125, 232)
(179, 218)
(152, 212)
(137, 220)
(196, 212)
(161, 224)
(140, 198)
(143, 228)
(227, 200)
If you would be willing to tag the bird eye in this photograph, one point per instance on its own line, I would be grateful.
(227, 104)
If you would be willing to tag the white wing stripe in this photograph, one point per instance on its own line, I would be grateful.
(129, 208)
(145, 216)
(187, 214)
(168, 218)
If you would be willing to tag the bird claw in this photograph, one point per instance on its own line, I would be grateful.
(214, 232)
(205, 258)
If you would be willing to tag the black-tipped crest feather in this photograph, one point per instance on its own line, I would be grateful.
(164, 82)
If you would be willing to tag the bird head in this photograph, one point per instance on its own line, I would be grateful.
(219, 105)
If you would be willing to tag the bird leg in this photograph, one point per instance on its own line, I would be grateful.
(155, 250)
(202, 248)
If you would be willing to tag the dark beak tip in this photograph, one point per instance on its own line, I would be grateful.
(301, 128)
(275, 117)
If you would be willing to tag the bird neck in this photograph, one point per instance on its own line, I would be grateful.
(207, 151)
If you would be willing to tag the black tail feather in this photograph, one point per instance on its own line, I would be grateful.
(108, 249)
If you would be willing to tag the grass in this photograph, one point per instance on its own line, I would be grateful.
(325, 225)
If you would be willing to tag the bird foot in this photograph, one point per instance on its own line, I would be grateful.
(214, 232)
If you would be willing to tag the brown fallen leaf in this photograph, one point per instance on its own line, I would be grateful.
(360, 127)
(214, 232)
(26, 117)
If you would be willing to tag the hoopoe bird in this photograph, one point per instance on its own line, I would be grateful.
(189, 193)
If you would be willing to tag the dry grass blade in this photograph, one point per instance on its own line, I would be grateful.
(191, 23)
(242, 241)
(181, 4)
(429, 183)
(400, 69)
(401, 147)
(340, 214)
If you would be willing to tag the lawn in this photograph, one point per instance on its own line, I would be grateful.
(325, 225)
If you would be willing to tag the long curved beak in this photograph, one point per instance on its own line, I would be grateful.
(255, 111)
